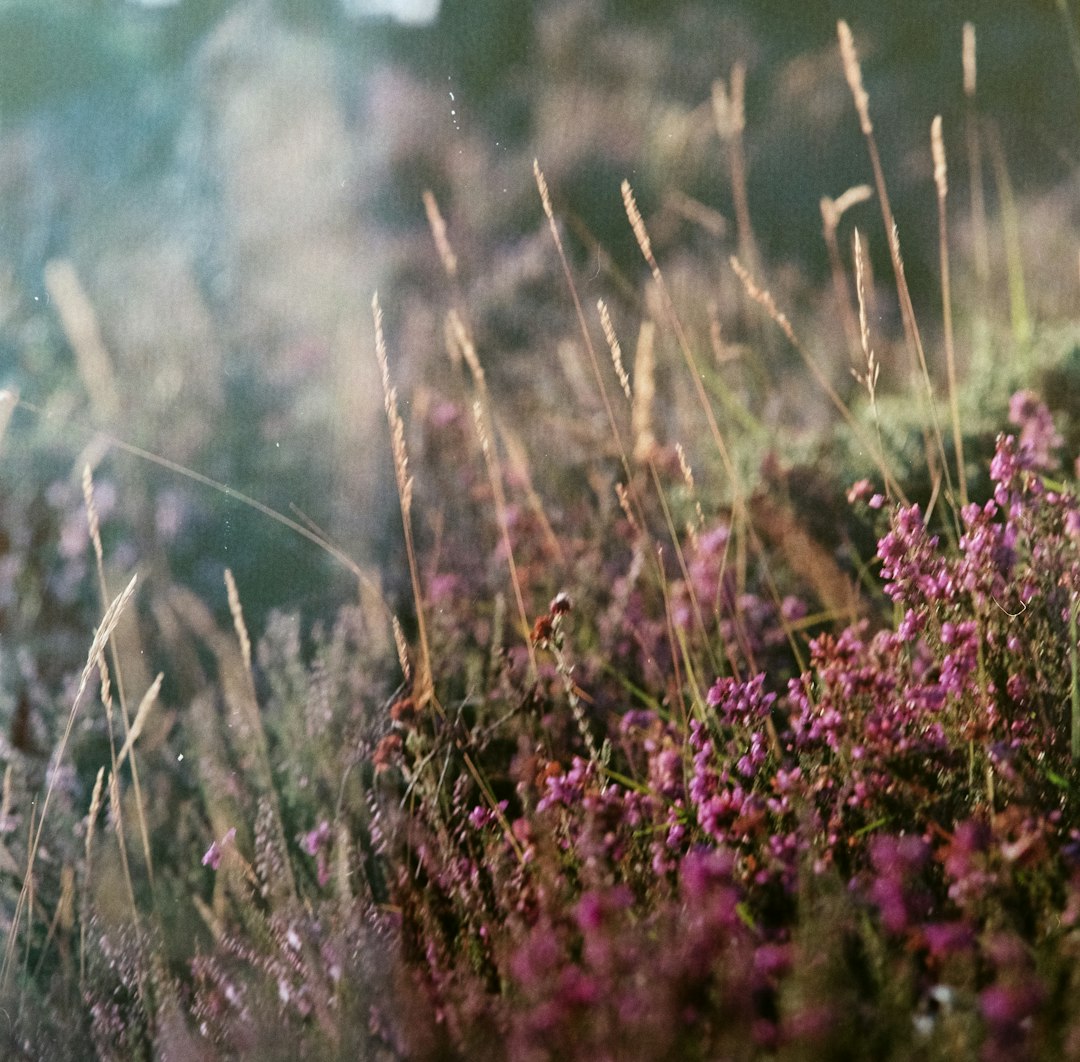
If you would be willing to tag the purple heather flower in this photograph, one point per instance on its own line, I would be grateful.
(859, 491)
(637, 719)
(1038, 436)
(704, 871)
(948, 938)
(741, 702)
(963, 659)
(896, 860)
(212, 858)
(1072, 522)
(481, 816)
(316, 839)
(1007, 1010)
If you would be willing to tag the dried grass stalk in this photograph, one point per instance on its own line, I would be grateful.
(641, 412)
(941, 181)
(968, 59)
(832, 210)
(438, 232)
(425, 681)
(237, 614)
(80, 324)
(402, 649)
(853, 73)
(129, 629)
(729, 111)
(141, 715)
(615, 348)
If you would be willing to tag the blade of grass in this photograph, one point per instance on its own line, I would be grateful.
(937, 145)
(425, 676)
(1074, 682)
(853, 73)
(101, 638)
(1010, 231)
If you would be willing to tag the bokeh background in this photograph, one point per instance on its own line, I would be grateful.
(198, 199)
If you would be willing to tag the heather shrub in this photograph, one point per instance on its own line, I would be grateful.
(885, 840)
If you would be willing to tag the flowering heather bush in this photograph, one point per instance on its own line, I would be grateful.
(877, 857)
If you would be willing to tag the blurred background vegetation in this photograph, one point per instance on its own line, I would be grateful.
(198, 198)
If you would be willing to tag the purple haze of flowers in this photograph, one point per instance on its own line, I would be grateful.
(988, 550)
(742, 703)
(912, 568)
(896, 862)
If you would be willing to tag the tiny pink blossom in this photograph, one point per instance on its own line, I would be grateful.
(212, 858)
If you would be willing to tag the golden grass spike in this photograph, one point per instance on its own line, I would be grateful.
(729, 110)
(141, 715)
(853, 73)
(105, 690)
(88, 849)
(765, 300)
(941, 180)
(466, 348)
(692, 526)
(92, 814)
(425, 676)
(624, 504)
(937, 150)
(393, 416)
(594, 361)
(402, 649)
(92, 521)
(101, 638)
(542, 186)
(868, 379)
(614, 347)
(237, 614)
(94, 526)
(438, 232)
(832, 210)
(498, 494)
(116, 803)
(641, 412)
(968, 59)
(873, 369)
(637, 224)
